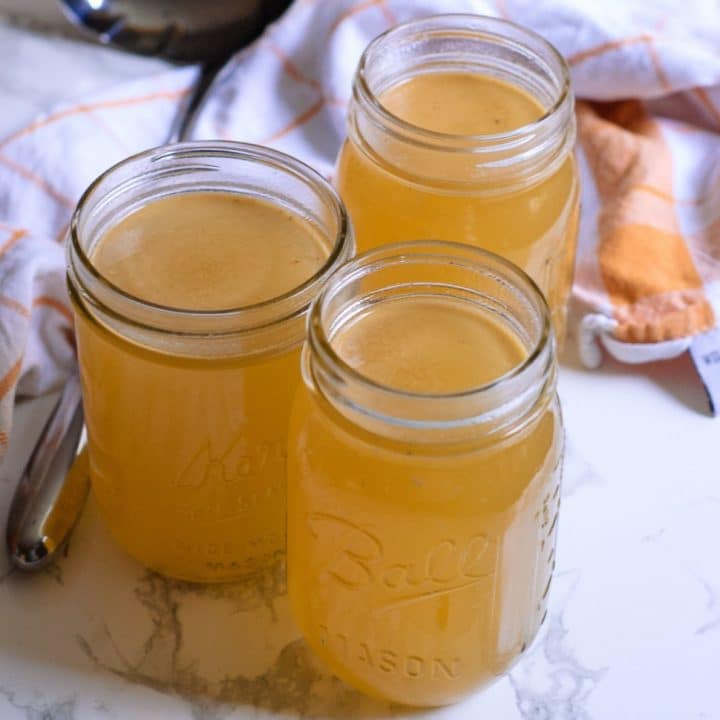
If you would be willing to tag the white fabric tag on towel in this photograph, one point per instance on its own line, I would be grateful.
(705, 354)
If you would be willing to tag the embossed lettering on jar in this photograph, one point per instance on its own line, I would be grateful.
(423, 471)
(461, 128)
(191, 270)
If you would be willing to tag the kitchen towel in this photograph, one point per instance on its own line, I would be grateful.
(648, 270)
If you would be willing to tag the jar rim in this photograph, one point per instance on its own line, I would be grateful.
(321, 344)
(196, 150)
(448, 23)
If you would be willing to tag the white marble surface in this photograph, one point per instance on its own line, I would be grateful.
(633, 630)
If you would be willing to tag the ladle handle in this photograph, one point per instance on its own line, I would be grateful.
(48, 500)
(185, 116)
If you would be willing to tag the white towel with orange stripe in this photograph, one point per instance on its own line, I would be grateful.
(648, 272)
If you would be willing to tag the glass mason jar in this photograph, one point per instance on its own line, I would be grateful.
(514, 192)
(421, 527)
(187, 411)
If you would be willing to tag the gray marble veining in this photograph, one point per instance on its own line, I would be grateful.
(551, 682)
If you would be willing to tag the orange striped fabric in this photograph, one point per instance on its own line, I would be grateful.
(645, 262)
(44, 167)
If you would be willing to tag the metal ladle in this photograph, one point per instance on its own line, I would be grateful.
(183, 31)
(47, 502)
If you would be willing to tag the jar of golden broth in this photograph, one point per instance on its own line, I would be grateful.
(424, 471)
(191, 269)
(461, 127)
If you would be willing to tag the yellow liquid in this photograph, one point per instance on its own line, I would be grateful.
(187, 454)
(419, 573)
(535, 227)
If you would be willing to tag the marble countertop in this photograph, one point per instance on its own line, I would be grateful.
(633, 630)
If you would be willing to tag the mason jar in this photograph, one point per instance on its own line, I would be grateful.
(424, 471)
(187, 409)
(461, 127)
